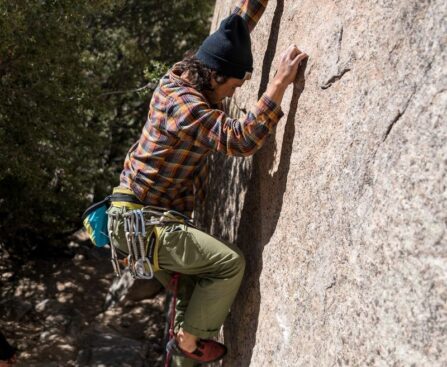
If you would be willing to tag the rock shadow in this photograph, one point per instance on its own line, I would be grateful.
(260, 215)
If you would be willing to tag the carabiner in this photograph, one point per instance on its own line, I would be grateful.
(140, 269)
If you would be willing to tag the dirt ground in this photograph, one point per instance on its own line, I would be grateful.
(52, 308)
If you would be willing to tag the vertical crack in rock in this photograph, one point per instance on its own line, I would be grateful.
(366, 178)
(400, 113)
(398, 116)
(333, 283)
(340, 37)
(340, 40)
(335, 78)
(342, 68)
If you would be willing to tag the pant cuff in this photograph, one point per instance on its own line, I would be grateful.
(198, 332)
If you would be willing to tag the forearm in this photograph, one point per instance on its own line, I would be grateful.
(275, 91)
(213, 129)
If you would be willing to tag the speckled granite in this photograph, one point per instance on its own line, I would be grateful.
(342, 214)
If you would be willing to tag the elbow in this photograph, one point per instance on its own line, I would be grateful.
(247, 149)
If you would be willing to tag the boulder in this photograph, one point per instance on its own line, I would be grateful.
(126, 287)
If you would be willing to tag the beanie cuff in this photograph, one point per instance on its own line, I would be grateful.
(223, 66)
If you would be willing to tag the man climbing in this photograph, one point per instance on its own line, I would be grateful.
(167, 168)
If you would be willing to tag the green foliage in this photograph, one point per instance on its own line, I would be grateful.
(71, 105)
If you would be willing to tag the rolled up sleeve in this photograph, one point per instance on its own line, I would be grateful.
(194, 120)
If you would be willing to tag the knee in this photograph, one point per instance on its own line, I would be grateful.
(238, 263)
(241, 261)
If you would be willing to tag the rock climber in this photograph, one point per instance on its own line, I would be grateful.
(167, 168)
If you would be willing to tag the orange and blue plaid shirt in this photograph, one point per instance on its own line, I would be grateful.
(167, 166)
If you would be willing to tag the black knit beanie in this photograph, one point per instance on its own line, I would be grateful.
(228, 50)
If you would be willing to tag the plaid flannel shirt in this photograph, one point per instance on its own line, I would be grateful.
(167, 166)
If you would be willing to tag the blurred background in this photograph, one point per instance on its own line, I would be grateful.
(76, 79)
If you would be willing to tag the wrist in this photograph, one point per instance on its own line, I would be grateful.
(275, 90)
(279, 83)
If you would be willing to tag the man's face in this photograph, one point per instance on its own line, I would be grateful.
(221, 91)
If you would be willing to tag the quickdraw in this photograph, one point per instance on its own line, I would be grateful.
(135, 222)
(135, 231)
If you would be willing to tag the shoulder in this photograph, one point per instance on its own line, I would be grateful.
(179, 90)
(185, 99)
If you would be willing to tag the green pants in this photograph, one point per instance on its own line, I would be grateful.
(210, 275)
(211, 272)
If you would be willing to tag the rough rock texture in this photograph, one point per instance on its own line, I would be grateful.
(342, 214)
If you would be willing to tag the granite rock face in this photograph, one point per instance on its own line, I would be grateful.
(342, 215)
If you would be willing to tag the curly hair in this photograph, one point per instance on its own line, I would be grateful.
(199, 75)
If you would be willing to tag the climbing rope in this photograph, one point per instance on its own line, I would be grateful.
(174, 288)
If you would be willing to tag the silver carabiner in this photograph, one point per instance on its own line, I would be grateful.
(127, 234)
(135, 218)
(143, 227)
(133, 236)
(140, 269)
(142, 234)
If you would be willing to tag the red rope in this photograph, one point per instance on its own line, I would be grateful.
(174, 287)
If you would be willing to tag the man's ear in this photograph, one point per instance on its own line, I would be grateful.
(213, 80)
(247, 76)
(213, 76)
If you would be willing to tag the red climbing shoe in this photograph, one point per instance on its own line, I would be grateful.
(207, 350)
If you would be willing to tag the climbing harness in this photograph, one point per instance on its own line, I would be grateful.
(174, 288)
(141, 228)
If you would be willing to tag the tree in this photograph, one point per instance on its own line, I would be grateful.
(65, 122)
